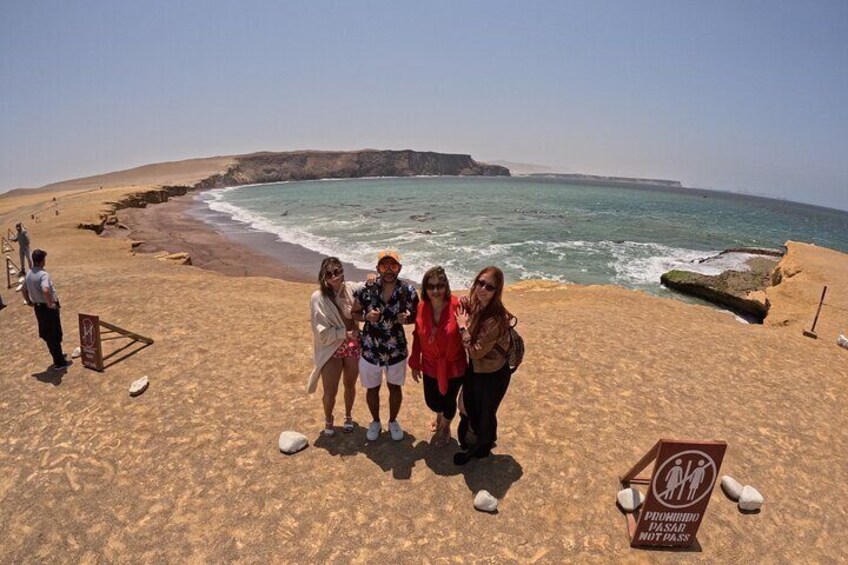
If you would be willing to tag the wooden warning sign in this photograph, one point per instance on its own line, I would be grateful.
(91, 341)
(90, 346)
(679, 491)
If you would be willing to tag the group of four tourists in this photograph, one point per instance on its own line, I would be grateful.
(459, 349)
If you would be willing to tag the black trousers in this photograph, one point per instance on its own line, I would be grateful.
(436, 402)
(482, 394)
(50, 330)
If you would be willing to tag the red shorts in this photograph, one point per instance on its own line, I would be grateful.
(348, 348)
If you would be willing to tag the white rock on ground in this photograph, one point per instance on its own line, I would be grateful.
(630, 499)
(751, 499)
(19, 287)
(139, 386)
(731, 487)
(485, 501)
(842, 341)
(76, 353)
(292, 442)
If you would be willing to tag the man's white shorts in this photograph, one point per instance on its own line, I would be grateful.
(371, 376)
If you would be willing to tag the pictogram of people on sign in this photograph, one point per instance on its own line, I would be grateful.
(684, 479)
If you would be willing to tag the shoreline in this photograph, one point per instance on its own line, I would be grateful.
(218, 243)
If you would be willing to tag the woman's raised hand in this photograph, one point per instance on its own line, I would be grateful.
(461, 317)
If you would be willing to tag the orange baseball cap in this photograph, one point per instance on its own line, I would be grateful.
(390, 253)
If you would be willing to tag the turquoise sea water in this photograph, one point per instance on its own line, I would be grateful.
(532, 228)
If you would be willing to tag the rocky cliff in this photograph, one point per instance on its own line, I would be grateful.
(312, 165)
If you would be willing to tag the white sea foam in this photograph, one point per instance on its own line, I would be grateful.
(639, 263)
(635, 263)
(737, 317)
(724, 262)
(531, 275)
(239, 214)
(351, 253)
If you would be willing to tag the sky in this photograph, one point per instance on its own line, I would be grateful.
(743, 96)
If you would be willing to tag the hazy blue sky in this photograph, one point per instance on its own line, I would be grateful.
(741, 96)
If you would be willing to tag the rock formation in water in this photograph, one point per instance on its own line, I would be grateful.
(740, 291)
(601, 180)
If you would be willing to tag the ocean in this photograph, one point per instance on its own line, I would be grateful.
(532, 228)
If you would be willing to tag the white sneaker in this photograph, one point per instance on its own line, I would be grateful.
(374, 429)
(396, 430)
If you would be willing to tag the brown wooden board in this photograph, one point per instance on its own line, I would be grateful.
(679, 491)
(90, 345)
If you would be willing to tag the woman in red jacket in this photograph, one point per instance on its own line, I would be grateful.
(437, 351)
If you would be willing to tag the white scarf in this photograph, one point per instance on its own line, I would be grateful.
(328, 331)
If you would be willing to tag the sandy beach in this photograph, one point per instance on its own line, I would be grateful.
(231, 248)
(190, 471)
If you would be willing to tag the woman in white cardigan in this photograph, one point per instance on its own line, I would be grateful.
(335, 341)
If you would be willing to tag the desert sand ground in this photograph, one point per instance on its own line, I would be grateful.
(190, 470)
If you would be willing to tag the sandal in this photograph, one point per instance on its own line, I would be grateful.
(442, 436)
(328, 427)
(348, 425)
(437, 423)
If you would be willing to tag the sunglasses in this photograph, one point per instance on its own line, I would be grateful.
(335, 273)
(487, 286)
(386, 267)
(437, 286)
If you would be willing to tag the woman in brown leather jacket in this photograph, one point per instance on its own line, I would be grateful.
(484, 324)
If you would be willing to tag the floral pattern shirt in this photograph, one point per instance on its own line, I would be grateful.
(384, 342)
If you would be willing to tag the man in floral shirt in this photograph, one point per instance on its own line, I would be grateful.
(385, 307)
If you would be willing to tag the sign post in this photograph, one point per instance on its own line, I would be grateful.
(679, 491)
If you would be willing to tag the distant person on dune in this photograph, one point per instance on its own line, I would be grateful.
(22, 237)
(385, 306)
(437, 351)
(484, 324)
(335, 341)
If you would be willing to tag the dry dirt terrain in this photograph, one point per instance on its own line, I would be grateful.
(190, 470)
